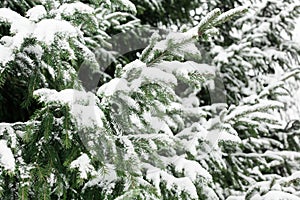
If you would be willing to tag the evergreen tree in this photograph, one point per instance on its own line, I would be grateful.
(74, 144)
(146, 129)
(259, 65)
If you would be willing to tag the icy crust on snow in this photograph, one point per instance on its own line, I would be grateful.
(83, 164)
(84, 105)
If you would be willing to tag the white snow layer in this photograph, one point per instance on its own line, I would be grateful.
(277, 195)
(116, 84)
(18, 23)
(179, 43)
(183, 184)
(7, 159)
(21, 27)
(184, 69)
(146, 75)
(105, 177)
(5, 54)
(82, 163)
(190, 168)
(83, 105)
(36, 13)
(47, 29)
(69, 9)
(129, 5)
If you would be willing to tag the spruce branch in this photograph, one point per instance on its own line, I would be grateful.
(226, 16)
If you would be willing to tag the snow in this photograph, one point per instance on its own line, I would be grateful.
(135, 75)
(105, 177)
(47, 29)
(246, 109)
(7, 159)
(36, 13)
(297, 31)
(222, 55)
(291, 155)
(223, 17)
(82, 163)
(151, 138)
(87, 116)
(6, 41)
(20, 28)
(110, 88)
(54, 3)
(52, 179)
(36, 50)
(5, 127)
(236, 198)
(294, 176)
(157, 124)
(71, 8)
(130, 102)
(190, 168)
(84, 105)
(136, 64)
(185, 69)
(18, 23)
(277, 195)
(68, 96)
(223, 134)
(154, 75)
(191, 101)
(195, 131)
(183, 184)
(194, 31)
(129, 5)
(262, 116)
(179, 44)
(6, 55)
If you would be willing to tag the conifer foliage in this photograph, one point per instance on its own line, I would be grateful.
(145, 131)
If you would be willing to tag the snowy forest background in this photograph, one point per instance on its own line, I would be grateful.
(149, 99)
